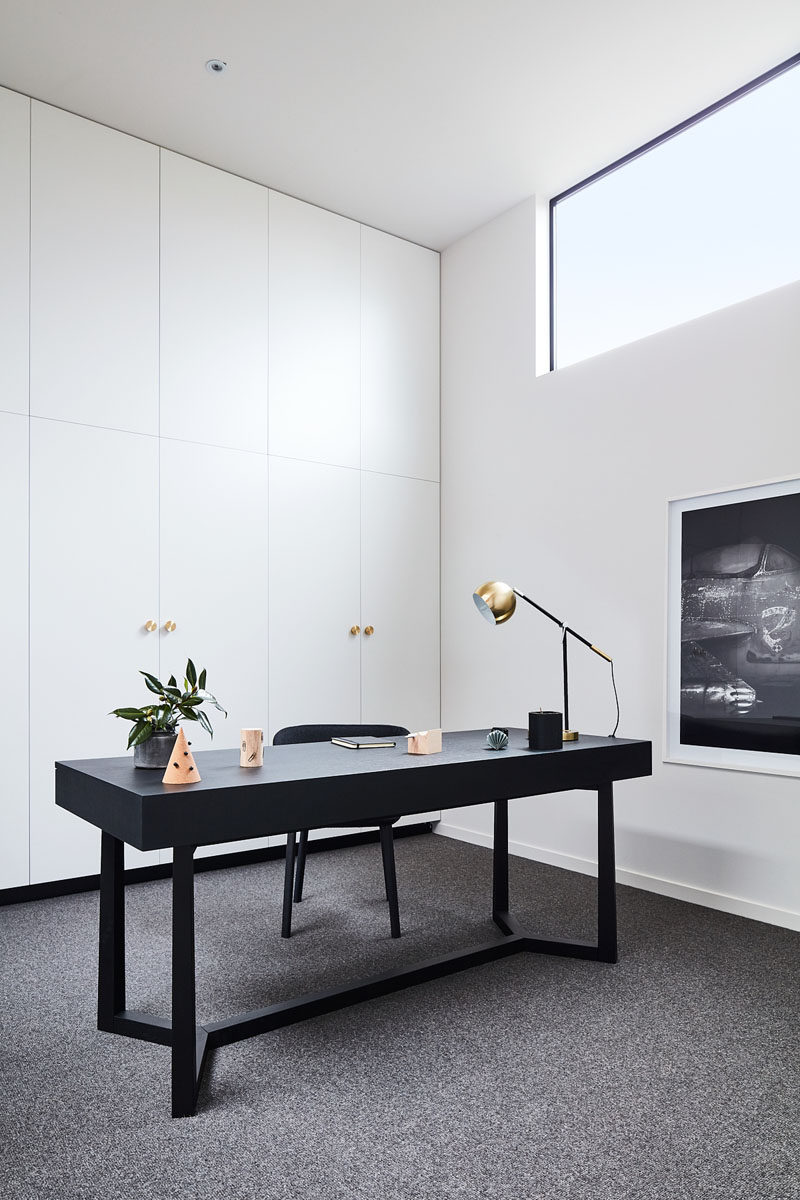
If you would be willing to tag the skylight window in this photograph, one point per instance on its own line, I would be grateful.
(702, 217)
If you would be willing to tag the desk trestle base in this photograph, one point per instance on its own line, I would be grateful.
(191, 1042)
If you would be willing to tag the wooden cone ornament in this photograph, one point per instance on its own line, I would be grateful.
(182, 768)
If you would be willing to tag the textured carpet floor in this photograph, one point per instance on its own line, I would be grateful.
(675, 1074)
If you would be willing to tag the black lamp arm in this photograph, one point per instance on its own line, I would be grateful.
(561, 624)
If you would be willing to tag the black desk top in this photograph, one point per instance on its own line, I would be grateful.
(317, 785)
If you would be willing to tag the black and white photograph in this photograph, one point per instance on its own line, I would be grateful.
(739, 621)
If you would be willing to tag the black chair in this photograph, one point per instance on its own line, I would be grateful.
(294, 734)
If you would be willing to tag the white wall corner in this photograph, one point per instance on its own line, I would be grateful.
(488, 304)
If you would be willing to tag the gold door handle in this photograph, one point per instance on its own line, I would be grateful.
(151, 626)
(170, 626)
(355, 629)
(369, 630)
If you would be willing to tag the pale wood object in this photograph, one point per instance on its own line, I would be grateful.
(181, 768)
(427, 742)
(252, 748)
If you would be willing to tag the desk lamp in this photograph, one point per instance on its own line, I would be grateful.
(497, 602)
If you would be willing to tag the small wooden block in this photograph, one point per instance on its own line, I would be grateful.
(252, 748)
(427, 742)
(181, 768)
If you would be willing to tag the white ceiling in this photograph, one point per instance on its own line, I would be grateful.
(421, 117)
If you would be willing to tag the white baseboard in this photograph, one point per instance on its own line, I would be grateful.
(648, 883)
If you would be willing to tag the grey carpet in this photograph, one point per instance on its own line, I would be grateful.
(673, 1074)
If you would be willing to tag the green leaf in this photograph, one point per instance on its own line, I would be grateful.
(172, 681)
(154, 686)
(188, 714)
(201, 683)
(204, 721)
(153, 680)
(192, 701)
(212, 700)
(172, 691)
(191, 673)
(140, 733)
(129, 714)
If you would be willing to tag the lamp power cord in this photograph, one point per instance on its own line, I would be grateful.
(616, 701)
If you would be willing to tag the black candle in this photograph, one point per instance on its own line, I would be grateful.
(545, 730)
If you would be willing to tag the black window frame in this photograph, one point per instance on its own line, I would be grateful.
(758, 82)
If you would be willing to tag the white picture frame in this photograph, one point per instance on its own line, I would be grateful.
(719, 582)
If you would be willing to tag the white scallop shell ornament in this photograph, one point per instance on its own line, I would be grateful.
(497, 739)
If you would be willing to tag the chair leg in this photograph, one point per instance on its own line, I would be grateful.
(288, 879)
(300, 869)
(390, 877)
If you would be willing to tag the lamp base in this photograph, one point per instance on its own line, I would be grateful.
(570, 735)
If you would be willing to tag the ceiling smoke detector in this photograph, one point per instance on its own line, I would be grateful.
(216, 66)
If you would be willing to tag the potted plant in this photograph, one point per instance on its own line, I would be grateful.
(154, 726)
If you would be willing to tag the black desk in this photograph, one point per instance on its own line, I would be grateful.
(308, 787)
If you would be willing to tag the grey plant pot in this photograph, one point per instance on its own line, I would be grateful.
(155, 752)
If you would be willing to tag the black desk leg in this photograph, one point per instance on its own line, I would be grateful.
(184, 1030)
(500, 861)
(288, 879)
(606, 877)
(111, 964)
(300, 867)
(390, 878)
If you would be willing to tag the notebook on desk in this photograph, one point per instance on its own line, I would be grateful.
(363, 743)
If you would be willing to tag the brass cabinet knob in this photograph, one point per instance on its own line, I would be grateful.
(354, 629)
(170, 626)
(151, 626)
(369, 630)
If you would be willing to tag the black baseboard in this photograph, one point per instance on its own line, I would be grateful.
(217, 862)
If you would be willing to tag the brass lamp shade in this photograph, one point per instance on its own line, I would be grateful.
(495, 601)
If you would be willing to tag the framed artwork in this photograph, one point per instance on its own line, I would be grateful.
(733, 629)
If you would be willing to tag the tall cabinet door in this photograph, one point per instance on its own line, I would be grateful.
(13, 637)
(314, 573)
(214, 584)
(400, 601)
(400, 356)
(94, 572)
(314, 334)
(14, 246)
(213, 306)
(94, 273)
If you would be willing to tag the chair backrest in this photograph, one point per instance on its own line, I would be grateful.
(293, 734)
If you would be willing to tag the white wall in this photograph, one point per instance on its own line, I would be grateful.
(558, 485)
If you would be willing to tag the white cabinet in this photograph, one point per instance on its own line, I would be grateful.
(400, 355)
(94, 273)
(214, 585)
(400, 590)
(314, 334)
(233, 427)
(314, 601)
(213, 306)
(94, 573)
(13, 635)
(14, 246)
